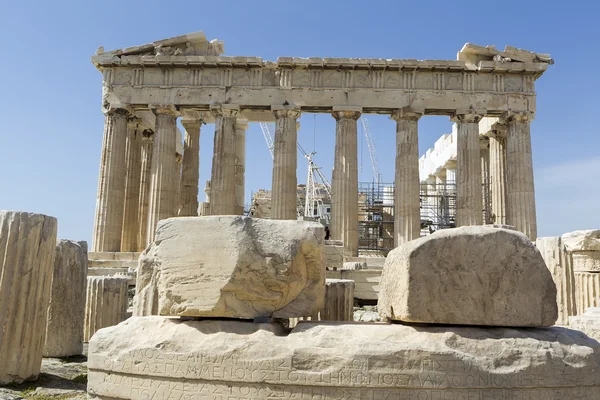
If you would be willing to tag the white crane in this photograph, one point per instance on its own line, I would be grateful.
(372, 154)
(312, 197)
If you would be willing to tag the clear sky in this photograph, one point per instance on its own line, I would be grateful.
(50, 93)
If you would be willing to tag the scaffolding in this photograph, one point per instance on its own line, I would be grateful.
(376, 212)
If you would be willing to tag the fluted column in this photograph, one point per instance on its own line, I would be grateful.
(177, 179)
(469, 205)
(132, 186)
(285, 153)
(162, 186)
(108, 223)
(240, 164)
(106, 303)
(190, 170)
(485, 179)
(223, 164)
(520, 193)
(344, 183)
(407, 209)
(147, 139)
(498, 175)
(27, 249)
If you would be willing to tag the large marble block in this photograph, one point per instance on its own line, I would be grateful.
(27, 247)
(66, 313)
(475, 275)
(164, 358)
(232, 266)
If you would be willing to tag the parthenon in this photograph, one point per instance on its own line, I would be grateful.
(146, 88)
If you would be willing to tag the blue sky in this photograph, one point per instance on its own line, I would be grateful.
(50, 93)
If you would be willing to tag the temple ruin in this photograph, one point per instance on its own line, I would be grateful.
(146, 88)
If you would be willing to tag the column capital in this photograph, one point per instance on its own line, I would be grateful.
(134, 122)
(225, 110)
(346, 112)
(241, 124)
(522, 117)
(484, 142)
(162, 109)
(407, 113)
(191, 124)
(286, 111)
(117, 111)
(468, 116)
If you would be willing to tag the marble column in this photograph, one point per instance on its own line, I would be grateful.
(147, 139)
(190, 170)
(240, 164)
(344, 184)
(285, 159)
(520, 193)
(162, 186)
(108, 223)
(223, 163)
(407, 204)
(498, 175)
(177, 179)
(469, 204)
(132, 186)
(485, 179)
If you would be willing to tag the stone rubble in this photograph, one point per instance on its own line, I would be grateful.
(64, 331)
(27, 248)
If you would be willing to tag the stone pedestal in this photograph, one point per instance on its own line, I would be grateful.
(162, 185)
(339, 300)
(223, 165)
(27, 248)
(108, 223)
(284, 188)
(344, 183)
(407, 205)
(240, 164)
(157, 358)
(190, 172)
(469, 205)
(520, 193)
(106, 303)
(145, 179)
(559, 264)
(132, 186)
(498, 175)
(66, 313)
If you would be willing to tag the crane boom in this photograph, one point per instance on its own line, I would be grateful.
(268, 138)
(371, 146)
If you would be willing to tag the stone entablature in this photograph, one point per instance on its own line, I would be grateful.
(378, 85)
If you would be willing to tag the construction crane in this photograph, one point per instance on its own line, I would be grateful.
(312, 197)
(371, 146)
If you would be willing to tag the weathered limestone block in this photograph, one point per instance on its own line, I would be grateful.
(157, 358)
(232, 266)
(559, 265)
(587, 289)
(475, 275)
(333, 254)
(339, 300)
(588, 323)
(27, 247)
(106, 303)
(66, 313)
(584, 248)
